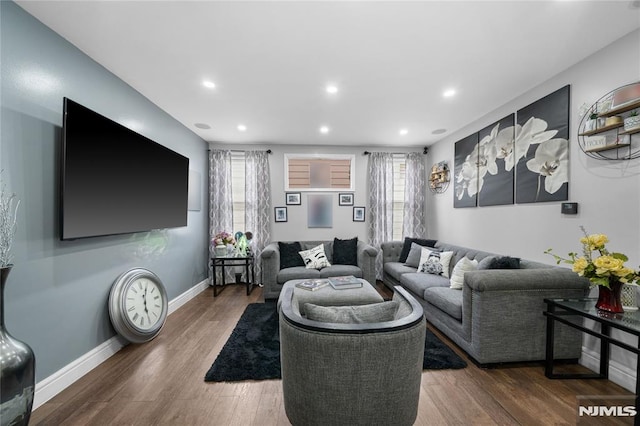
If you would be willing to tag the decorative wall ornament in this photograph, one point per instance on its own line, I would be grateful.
(542, 149)
(496, 163)
(439, 177)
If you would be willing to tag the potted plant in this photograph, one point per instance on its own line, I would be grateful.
(605, 269)
(632, 122)
(592, 122)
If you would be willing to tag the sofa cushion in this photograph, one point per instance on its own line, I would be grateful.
(315, 258)
(290, 255)
(345, 252)
(406, 248)
(359, 314)
(457, 276)
(435, 262)
(298, 272)
(340, 271)
(418, 283)
(396, 269)
(446, 299)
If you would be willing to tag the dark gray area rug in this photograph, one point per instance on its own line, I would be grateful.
(253, 349)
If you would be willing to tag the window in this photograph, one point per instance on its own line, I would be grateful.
(238, 190)
(399, 173)
(323, 172)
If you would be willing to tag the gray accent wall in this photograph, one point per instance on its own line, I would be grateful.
(56, 296)
(608, 192)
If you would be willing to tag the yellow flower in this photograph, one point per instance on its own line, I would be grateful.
(595, 241)
(623, 272)
(580, 265)
(607, 264)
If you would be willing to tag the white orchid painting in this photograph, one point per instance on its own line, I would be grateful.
(466, 181)
(496, 163)
(542, 149)
(536, 148)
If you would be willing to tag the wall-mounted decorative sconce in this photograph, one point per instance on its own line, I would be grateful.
(439, 177)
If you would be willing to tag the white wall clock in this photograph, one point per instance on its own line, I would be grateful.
(138, 305)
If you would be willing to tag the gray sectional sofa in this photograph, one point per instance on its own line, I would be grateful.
(273, 277)
(498, 316)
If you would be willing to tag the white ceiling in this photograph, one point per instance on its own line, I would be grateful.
(391, 61)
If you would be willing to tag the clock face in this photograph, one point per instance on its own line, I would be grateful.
(138, 305)
(143, 303)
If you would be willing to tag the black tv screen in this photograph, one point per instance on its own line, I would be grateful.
(116, 181)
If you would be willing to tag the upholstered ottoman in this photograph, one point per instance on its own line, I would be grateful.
(328, 296)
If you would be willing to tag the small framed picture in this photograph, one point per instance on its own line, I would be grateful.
(293, 199)
(281, 214)
(358, 214)
(345, 199)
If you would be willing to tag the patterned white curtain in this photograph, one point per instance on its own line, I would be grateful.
(220, 198)
(258, 203)
(414, 190)
(380, 172)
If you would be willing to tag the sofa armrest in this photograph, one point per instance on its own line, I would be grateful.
(367, 261)
(391, 251)
(552, 278)
(270, 262)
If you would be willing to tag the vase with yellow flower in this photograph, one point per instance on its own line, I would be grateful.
(603, 268)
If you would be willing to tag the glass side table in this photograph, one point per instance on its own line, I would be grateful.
(221, 262)
(564, 310)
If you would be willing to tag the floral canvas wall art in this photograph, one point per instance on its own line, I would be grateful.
(542, 149)
(466, 172)
(496, 163)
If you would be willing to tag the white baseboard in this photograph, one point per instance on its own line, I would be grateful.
(63, 378)
(618, 373)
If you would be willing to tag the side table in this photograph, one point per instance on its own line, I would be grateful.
(562, 309)
(247, 262)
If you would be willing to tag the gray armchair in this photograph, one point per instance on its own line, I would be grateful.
(352, 373)
(273, 277)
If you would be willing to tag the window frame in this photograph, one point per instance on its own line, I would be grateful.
(329, 157)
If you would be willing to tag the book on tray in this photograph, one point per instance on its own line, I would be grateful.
(348, 281)
(312, 285)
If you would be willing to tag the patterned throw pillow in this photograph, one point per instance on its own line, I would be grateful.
(457, 275)
(435, 262)
(315, 258)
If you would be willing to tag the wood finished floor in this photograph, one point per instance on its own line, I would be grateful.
(162, 382)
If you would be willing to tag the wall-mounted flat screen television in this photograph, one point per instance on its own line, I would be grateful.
(116, 181)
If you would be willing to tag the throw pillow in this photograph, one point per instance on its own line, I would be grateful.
(358, 314)
(345, 252)
(457, 275)
(435, 262)
(485, 263)
(413, 259)
(315, 258)
(290, 255)
(505, 262)
(406, 248)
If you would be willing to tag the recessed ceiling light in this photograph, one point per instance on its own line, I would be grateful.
(449, 93)
(202, 126)
(209, 84)
(324, 130)
(331, 89)
(242, 127)
(403, 132)
(439, 131)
